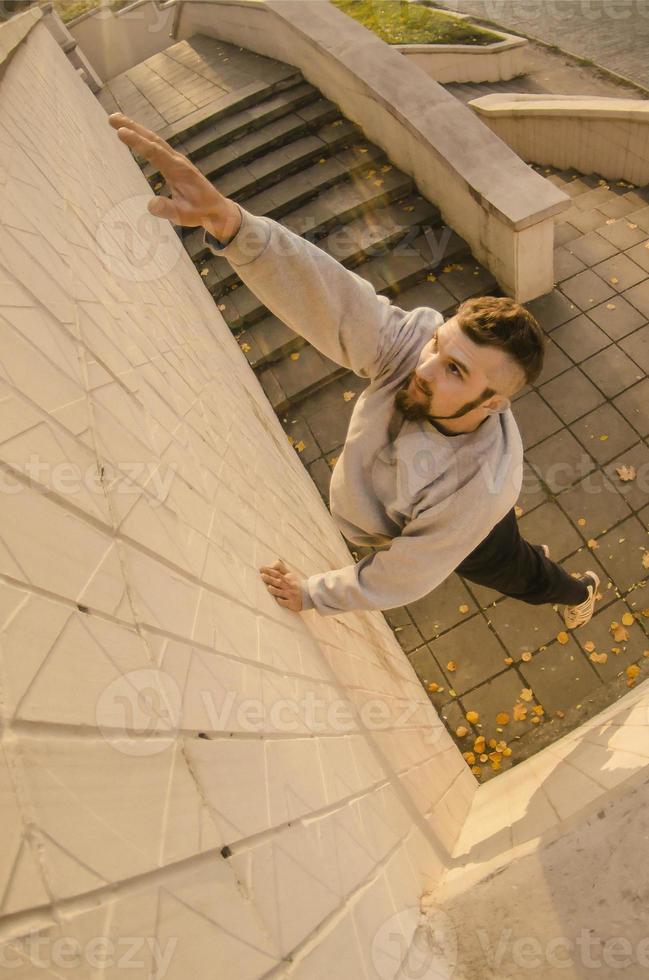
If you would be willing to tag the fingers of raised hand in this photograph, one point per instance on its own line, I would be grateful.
(119, 121)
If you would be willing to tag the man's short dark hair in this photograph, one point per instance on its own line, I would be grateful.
(500, 321)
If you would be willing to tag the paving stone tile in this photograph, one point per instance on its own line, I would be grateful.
(636, 345)
(598, 632)
(321, 475)
(427, 669)
(560, 461)
(452, 715)
(596, 501)
(621, 268)
(560, 677)
(611, 370)
(532, 492)
(640, 217)
(566, 264)
(635, 492)
(548, 525)
(620, 552)
(554, 362)
(618, 207)
(586, 220)
(552, 309)
(617, 317)
(327, 413)
(596, 197)
(592, 248)
(621, 234)
(496, 695)
(523, 627)
(571, 395)
(580, 337)
(534, 418)
(564, 233)
(299, 431)
(470, 279)
(475, 650)
(640, 253)
(439, 610)
(604, 421)
(586, 289)
(634, 405)
(405, 630)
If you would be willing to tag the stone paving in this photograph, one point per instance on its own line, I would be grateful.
(611, 33)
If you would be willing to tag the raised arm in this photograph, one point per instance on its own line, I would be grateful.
(336, 310)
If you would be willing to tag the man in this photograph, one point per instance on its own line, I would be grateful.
(432, 465)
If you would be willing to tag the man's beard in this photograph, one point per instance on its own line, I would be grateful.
(421, 410)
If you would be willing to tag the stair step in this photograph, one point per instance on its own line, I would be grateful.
(222, 131)
(290, 380)
(259, 144)
(308, 190)
(238, 99)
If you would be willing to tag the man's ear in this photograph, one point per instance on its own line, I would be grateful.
(497, 404)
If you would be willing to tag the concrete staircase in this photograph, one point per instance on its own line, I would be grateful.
(282, 150)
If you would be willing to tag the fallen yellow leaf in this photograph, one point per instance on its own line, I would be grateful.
(592, 544)
(526, 694)
(518, 511)
(563, 637)
(433, 687)
(520, 712)
(463, 609)
(581, 521)
(461, 731)
(526, 656)
(502, 718)
(620, 635)
(451, 665)
(245, 348)
(295, 356)
(645, 560)
(472, 717)
(589, 646)
(300, 446)
(632, 670)
(348, 395)
(626, 473)
(628, 619)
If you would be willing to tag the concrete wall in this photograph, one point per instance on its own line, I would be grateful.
(114, 41)
(144, 479)
(593, 134)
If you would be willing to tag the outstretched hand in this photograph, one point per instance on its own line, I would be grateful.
(194, 200)
(283, 584)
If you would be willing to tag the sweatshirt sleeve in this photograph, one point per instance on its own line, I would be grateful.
(337, 311)
(428, 549)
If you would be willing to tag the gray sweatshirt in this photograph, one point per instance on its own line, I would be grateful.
(424, 499)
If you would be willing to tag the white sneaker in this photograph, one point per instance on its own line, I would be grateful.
(575, 616)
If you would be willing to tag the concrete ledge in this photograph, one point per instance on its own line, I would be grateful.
(496, 62)
(14, 31)
(484, 191)
(530, 806)
(590, 133)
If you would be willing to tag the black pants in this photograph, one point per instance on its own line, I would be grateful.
(506, 562)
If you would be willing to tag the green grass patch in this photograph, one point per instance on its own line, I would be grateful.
(400, 22)
(69, 9)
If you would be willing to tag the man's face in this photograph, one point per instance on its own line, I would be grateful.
(454, 376)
